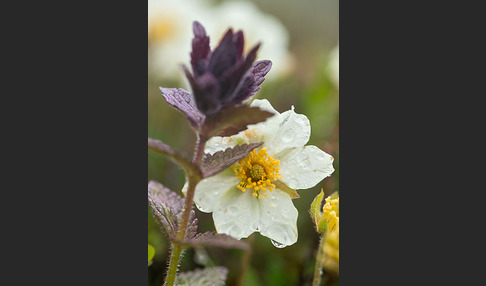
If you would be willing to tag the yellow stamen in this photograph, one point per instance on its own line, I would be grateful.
(257, 171)
(331, 213)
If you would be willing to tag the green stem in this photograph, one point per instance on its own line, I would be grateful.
(245, 261)
(319, 260)
(191, 188)
(175, 255)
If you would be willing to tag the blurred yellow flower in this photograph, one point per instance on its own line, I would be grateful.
(331, 251)
(331, 213)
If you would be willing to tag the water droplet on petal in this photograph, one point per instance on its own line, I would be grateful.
(288, 136)
(233, 210)
(277, 244)
(199, 207)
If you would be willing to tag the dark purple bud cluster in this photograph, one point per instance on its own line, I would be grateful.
(223, 77)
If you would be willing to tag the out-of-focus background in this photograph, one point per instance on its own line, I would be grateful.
(301, 39)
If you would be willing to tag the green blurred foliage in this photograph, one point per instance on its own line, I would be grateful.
(310, 89)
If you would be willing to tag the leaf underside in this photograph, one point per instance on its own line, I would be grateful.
(159, 147)
(233, 119)
(219, 161)
(215, 239)
(168, 207)
(183, 101)
(214, 276)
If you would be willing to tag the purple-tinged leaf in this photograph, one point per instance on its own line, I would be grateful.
(226, 54)
(224, 77)
(232, 120)
(286, 189)
(183, 101)
(168, 207)
(215, 239)
(260, 70)
(234, 78)
(219, 161)
(161, 148)
(252, 81)
(214, 276)
(200, 49)
(208, 88)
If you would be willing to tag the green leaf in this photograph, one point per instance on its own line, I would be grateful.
(161, 148)
(322, 226)
(286, 189)
(219, 161)
(151, 253)
(232, 120)
(315, 209)
(334, 195)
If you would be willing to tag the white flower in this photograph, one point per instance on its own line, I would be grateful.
(244, 198)
(333, 66)
(258, 27)
(170, 33)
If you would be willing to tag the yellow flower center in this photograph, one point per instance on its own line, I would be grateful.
(257, 171)
(331, 213)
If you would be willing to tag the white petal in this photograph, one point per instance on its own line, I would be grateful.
(264, 104)
(303, 168)
(252, 135)
(278, 218)
(236, 213)
(218, 143)
(284, 131)
(210, 190)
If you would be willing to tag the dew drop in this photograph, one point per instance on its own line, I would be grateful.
(201, 208)
(233, 210)
(288, 136)
(277, 244)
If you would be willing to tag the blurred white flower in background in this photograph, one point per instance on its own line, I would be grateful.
(333, 66)
(170, 33)
(257, 28)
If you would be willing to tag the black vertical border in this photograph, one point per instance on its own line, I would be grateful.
(409, 115)
(79, 127)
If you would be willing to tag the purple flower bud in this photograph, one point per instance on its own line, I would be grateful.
(223, 77)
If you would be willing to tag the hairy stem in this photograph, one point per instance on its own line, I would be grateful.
(319, 259)
(191, 188)
(199, 152)
(175, 255)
